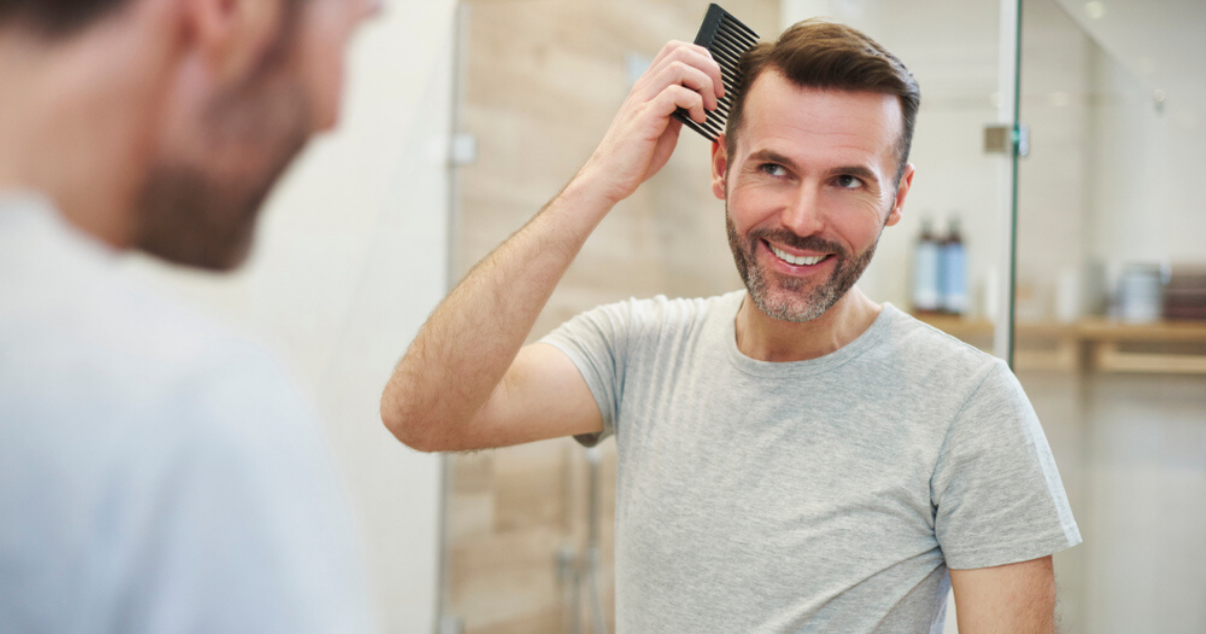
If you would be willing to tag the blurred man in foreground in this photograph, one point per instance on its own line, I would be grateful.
(157, 474)
(793, 457)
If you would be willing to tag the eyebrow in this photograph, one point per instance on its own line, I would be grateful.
(772, 157)
(858, 171)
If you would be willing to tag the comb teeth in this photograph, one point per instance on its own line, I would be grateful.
(727, 39)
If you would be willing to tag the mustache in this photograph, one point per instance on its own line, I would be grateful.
(804, 243)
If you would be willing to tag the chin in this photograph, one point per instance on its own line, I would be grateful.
(789, 309)
(188, 218)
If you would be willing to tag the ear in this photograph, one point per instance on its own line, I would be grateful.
(232, 35)
(720, 165)
(902, 191)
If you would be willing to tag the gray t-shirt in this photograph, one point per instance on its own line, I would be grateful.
(828, 495)
(157, 474)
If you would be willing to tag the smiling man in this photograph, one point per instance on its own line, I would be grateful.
(793, 457)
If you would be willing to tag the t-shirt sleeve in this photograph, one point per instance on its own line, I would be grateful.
(239, 524)
(996, 492)
(597, 341)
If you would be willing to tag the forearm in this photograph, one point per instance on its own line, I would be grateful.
(464, 350)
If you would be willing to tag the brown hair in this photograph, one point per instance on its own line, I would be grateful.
(820, 54)
(56, 18)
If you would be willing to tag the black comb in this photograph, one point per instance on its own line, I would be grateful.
(727, 39)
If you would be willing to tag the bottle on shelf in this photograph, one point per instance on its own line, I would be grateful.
(927, 292)
(953, 271)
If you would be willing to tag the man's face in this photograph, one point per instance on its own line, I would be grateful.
(222, 154)
(808, 192)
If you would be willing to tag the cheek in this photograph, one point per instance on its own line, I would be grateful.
(753, 205)
(858, 221)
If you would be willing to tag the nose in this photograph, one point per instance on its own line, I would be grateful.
(804, 214)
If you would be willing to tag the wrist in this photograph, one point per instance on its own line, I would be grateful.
(590, 194)
(601, 182)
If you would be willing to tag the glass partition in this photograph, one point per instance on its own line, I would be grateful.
(1103, 318)
(539, 83)
(1111, 299)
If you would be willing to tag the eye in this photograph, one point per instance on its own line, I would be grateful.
(846, 181)
(773, 169)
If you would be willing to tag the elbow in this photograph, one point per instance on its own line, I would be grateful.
(409, 430)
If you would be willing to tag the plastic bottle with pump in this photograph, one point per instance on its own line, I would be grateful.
(953, 268)
(927, 294)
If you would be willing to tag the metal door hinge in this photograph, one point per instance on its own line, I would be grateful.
(1001, 139)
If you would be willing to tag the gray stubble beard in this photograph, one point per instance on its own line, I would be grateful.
(845, 274)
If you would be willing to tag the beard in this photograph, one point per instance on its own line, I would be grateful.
(200, 210)
(787, 298)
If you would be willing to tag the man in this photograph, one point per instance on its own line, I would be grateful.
(157, 474)
(793, 457)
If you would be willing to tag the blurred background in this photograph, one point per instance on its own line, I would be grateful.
(1056, 219)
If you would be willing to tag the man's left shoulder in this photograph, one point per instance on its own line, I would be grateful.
(918, 347)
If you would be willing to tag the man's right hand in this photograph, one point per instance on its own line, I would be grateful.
(465, 383)
(643, 135)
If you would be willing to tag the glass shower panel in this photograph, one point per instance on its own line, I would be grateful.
(1111, 299)
(539, 83)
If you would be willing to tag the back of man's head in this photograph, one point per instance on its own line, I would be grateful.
(819, 54)
(185, 122)
(54, 18)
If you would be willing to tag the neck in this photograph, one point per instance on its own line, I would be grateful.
(767, 339)
(77, 127)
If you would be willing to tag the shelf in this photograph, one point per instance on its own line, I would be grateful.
(1093, 344)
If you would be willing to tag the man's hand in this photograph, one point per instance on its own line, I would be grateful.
(465, 383)
(643, 135)
(1012, 599)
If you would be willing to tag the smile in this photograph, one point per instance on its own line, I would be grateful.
(796, 260)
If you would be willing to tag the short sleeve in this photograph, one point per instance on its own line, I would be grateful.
(598, 342)
(236, 523)
(996, 492)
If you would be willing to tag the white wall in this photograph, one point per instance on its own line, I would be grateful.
(1148, 159)
(350, 259)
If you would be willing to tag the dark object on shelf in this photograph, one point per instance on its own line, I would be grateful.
(1185, 293)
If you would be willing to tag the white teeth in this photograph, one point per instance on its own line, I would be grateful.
(798, 261)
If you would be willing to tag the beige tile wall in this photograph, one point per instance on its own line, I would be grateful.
(543, 79)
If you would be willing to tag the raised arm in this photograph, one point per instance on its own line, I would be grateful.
(1011, 599)
(465, 383)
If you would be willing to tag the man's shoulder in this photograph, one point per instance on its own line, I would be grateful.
(644, 329)
(74, 314)
(661, 309)
(88, 347)
(921, 348)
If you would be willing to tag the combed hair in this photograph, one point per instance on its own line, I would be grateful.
(820, 54)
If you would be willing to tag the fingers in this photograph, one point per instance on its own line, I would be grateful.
(686, 64)
(681, 74)
(675, 97)
(644, 134)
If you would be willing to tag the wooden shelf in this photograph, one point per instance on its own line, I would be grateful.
(1093, 344)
